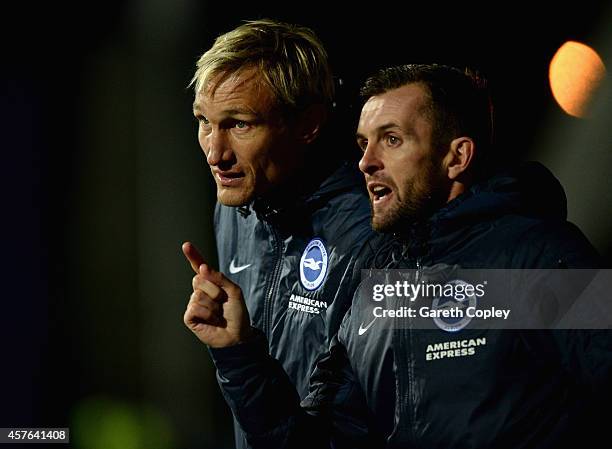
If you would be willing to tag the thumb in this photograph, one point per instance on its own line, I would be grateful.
(193, 256)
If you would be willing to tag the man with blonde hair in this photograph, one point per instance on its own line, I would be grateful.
(292, 211)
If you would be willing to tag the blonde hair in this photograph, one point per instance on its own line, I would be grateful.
(290, 59)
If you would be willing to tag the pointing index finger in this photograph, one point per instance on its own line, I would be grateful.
(193, 256)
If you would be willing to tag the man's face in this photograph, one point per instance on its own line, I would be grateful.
(249, 147)
(403, 171)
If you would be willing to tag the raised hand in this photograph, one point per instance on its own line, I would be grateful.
(216, 311)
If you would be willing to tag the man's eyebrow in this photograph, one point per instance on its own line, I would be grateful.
(380, 129)
(230, 112)
(387, 126)
(241, 111)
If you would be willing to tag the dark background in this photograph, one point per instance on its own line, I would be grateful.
(102, 180)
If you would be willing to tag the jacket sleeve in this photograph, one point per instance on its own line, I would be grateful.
(267, 406)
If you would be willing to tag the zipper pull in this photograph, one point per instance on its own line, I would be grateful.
(418, 270)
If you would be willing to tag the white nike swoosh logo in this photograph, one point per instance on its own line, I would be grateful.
(363, 330)
(234, 269)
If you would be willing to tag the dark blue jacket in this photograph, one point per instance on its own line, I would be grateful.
(295, 261)
(531, 389)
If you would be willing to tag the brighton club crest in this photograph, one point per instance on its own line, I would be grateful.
(313, 264)
(461, 303)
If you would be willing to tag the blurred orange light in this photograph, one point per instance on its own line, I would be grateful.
(575, 72)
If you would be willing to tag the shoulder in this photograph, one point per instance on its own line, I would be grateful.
(556, 244)
(341, 207)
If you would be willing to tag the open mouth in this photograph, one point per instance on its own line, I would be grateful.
(380, 192)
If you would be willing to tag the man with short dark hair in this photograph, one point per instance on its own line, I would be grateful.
(422, 130)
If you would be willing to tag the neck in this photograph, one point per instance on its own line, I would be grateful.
(457, 188)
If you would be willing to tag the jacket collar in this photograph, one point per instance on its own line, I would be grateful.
(528, 189)
(290, 205)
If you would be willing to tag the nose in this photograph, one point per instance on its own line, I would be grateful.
(370, 161)
(216, 148)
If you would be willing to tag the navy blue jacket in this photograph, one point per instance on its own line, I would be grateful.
(295, 261)
(527, 389)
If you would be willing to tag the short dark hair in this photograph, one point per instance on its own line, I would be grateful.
(460, 102)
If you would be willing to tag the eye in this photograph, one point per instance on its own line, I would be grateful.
(240, 126)
(362, 144)
(393, 141)
(202, 119)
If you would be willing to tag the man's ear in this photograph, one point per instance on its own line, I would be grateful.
(460, 155)
(310, 122)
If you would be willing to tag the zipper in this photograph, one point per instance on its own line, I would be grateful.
(408, 392)
(411, 380)
(274, 280)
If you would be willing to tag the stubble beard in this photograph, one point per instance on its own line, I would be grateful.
(420, 197)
